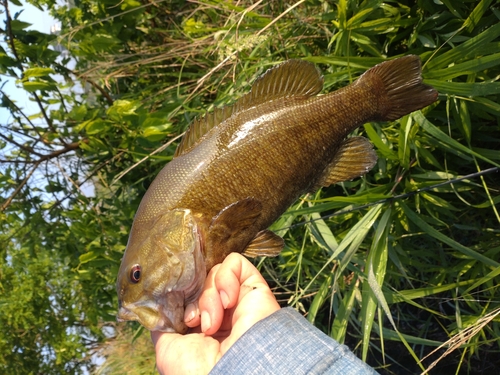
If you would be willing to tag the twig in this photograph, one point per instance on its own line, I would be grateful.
(461, 338)
(80, 183)
(280, 16)
(68, 148)
(19, 110)
(22, 147)
(9, 30)
(18, 189)
(223, 62)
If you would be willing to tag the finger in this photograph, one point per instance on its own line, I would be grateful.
(236, 277)
(210, 305)
(185, 354)
(155, 336)
(162, 341)
(192, 315)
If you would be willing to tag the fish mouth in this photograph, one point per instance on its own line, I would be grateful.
(157, 317)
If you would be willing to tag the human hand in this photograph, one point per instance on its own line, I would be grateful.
(234, 298)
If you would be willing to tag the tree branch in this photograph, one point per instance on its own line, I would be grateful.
(19, 110)
(8, 201)
(9, 30)
(22, 147)
(69, 147)
(83, 77)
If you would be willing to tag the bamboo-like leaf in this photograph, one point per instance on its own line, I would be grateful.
(469, 67)
(462, 51)
(323, 233)
(340, 323)
(404, 141)
(470, 90)
(438, 134)
(412, 294)
(472, 21)
(351, 241)
(379, 143)
(360, 16)
(390, 334)
(375, 265)
(353, 62)
(319, 299)
(445, 239)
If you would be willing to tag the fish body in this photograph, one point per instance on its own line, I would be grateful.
(238, 169)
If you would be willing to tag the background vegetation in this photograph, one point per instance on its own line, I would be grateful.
(396, 264)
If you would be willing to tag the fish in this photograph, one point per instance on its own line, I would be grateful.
(237, 169)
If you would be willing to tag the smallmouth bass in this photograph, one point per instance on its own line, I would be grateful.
(239, 168)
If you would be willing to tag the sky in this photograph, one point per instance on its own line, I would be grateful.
(41, 21)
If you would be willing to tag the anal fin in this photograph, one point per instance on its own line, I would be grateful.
(354, 159)
(265, 243)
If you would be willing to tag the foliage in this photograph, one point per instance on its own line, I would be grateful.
(394, 264)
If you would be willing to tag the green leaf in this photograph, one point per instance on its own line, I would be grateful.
(379, 143)
(155, 129)
(32, 86)
(376, 264)
(37, 72)
(339, 326)
(6, 60)
(18, 25)
(96, 126)
(122, 108)
(87, 257)
(412, 294)
(320, 298)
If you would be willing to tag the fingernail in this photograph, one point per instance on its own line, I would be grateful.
(206, 323)
(190, 312)
(224, 298)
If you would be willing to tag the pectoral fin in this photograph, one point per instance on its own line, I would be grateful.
(354, 159)
(265, 243)
(231, 230)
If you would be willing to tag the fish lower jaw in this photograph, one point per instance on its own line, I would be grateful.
(125, 314)
(151, 319)
(164, 317)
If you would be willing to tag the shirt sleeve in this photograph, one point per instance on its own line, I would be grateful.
(286, 343)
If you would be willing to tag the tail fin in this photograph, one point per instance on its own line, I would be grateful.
(399, 86)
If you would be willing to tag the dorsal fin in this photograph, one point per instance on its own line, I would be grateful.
(288, 79)
(201, 126)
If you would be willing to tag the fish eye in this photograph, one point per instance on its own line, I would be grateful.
(135, 273)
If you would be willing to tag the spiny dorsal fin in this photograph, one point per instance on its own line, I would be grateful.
(201, 126)
(354, 159)
(288, 79)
